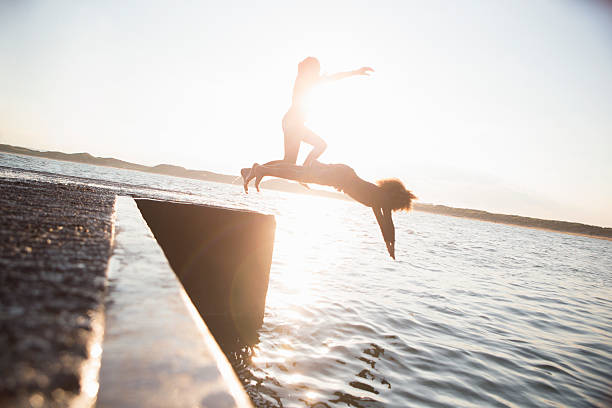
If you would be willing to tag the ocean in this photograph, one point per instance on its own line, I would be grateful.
(471, 314)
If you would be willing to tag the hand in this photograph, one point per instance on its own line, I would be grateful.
(391, 249)
(364, 71)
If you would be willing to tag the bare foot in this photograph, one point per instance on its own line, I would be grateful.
(248, 175)
(245, 178)
(253, 175)
(257, 181)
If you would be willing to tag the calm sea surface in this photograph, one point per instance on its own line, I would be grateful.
(471, 314)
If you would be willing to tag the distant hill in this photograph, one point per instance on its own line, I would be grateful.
(553, 225)
(282, 185)
(166, 169)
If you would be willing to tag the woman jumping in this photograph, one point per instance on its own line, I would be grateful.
(294, 128)
(383, 198)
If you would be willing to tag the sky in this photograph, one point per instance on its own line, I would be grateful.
(500, 106)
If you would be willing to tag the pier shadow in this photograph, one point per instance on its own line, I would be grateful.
(222, 258)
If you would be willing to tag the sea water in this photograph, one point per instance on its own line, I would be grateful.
(470, 314)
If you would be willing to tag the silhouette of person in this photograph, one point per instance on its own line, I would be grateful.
(384, 197)
(294, 128)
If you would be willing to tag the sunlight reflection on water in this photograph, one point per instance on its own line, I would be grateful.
(471, 313)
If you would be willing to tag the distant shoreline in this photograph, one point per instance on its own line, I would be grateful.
(573, 228)
(566, 227)
(578, 234)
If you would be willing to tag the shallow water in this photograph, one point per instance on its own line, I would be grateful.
(471, 313)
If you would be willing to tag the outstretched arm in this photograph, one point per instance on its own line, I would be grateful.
(385, 222)
(390, 230)
(341, 75)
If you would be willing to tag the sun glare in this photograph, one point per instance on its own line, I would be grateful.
(357, 118)
(300, 223)
(334, 110)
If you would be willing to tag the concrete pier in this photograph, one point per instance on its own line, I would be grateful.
(222, 258)
(157, 351)
(55, 241)
(56, 301)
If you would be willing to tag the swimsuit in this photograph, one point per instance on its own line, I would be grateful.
(293, 125)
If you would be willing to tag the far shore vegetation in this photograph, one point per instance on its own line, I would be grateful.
(282, 185)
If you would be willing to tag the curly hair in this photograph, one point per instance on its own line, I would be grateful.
(397, 197)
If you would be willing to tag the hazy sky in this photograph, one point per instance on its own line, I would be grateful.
(503, 106)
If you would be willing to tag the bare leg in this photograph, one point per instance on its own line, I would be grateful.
(248, 173)
(259, 172)
(314, 154)
(318, 144)
(273, 162)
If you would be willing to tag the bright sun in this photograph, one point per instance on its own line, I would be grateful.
(346, 114)
(331, 104)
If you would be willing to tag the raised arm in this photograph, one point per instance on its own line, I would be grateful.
(341, 75)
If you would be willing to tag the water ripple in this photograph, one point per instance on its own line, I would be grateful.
(472, 314)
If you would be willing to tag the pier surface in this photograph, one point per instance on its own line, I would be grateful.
(158, 352)
(55, 242)
(60, 313)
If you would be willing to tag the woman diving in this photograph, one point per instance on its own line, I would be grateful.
(294, 128)
(383, 198)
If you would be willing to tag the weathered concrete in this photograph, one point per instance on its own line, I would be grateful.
(157, 350)
(55, 242)
(222, 258)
